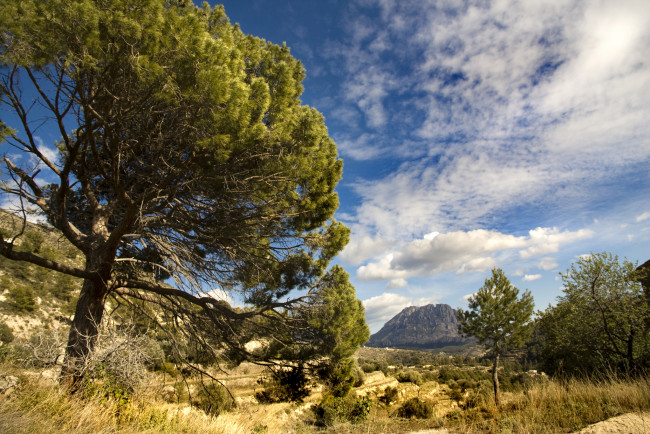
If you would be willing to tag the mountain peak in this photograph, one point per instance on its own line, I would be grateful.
(430, 326)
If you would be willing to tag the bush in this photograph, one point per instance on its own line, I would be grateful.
(359, 377)
(410, 377)
(6, 334)
(32, 241)
(41, 349)
(22, 298)
(415, 408)
(338, 376)
(372, 365)
(390, 395)
(333, 409)
(284, 386)
(213, 398)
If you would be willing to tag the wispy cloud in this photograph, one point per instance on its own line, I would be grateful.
(506, 104)
(643, 217)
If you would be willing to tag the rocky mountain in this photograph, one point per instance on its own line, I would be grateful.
(427, 327)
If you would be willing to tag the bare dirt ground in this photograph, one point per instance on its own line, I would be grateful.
(630, 423)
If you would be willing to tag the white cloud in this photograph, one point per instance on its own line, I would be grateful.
(547, 264)
(549, 240)
(515, 104)
(51, 154)
(363, 247)
(396, 284)
(477, 264)
(464, 252)
(383, 307)
(643, 217)
(364, 147)
(468, 296)
(531, 277)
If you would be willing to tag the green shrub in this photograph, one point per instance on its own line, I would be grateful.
(409, 377)
(359, 377)
(372, 365)
(333, 409)
(415, 408)
(32, 241)
(6, 334)
(456, 395)
(284, 386)
(338, 376)
(213, 398)
(390, 395)
(22, 298)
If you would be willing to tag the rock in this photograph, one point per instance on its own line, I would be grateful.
(430, 326)
(8, 383)
(169, 394)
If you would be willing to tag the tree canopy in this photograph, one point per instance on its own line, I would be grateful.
(601, 323)
(499, 318)
(185, 165)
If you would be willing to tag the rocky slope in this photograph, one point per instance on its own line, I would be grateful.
(430, 326)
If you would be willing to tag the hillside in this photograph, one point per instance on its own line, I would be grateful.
(31, 296)
(425, 327)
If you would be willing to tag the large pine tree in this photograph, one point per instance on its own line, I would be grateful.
(186, 164)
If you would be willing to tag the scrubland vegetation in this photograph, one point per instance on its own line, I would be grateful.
(450, 394)
(198, 164)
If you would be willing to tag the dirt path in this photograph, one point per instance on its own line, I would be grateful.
(630, 423)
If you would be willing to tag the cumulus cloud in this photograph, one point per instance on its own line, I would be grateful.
(531, 277)
(549, 240)
(464, 252)
(363, 247)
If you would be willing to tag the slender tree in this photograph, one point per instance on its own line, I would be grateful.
(185, 165)
(499, 318)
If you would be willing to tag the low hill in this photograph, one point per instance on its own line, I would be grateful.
(425, 327)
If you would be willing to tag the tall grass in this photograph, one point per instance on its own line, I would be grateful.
(557, 406)
(38, 408)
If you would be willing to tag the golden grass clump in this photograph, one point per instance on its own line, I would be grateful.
(557, 406)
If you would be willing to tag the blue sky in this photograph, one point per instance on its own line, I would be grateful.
(476, 134)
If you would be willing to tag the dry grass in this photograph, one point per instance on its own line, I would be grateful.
(547, 407)
(42, 406)
(556, 406)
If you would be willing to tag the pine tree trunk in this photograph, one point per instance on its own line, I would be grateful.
(84, 331)
(495, 379)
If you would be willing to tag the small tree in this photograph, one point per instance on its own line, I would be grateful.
(498, 318)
